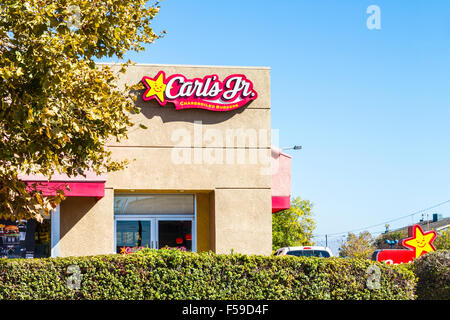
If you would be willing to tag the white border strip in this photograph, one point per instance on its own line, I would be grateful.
(55, 235)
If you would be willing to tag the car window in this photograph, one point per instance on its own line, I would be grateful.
(309, 253)
(322, 253)
(300, 253)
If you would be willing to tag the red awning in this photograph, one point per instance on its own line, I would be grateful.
(281, 180)
(77, 189)
(92, 185)
(280, 203)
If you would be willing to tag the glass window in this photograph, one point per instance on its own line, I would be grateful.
(154, 221)
(42, 239)
(309, 253)
(154, 204)
(132, 235)
(175, 234)
(25, 239)
(322, 253)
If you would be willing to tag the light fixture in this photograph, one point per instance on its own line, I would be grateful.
(293, 148)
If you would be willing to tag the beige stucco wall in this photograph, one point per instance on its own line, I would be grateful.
(152, 168)
(243, 221)
(87, 225)
(239, 193)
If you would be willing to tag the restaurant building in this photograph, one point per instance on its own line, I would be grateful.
(202, 177)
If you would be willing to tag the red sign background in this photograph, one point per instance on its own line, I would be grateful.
(395, 256)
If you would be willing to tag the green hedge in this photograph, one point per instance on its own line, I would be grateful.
(433, 273)
(169, 274)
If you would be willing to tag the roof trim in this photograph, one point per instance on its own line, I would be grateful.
(189, 65)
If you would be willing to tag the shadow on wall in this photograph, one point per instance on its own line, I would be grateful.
(152, 108)
(73, 210)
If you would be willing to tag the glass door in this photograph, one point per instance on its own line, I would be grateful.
(154, 221)
(154, 232)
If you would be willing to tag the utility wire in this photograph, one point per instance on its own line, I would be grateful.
(384, 223)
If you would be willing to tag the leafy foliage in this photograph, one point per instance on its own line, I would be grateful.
(172, 274)
(433, 273)
(442, 241)
(361, 246)
(394, 235)
(293, 227)
(57, 107)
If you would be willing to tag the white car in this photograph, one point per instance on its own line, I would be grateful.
(308, 251)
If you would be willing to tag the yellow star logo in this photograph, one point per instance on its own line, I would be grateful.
(123, 250)
(155, 87)
(420, 242)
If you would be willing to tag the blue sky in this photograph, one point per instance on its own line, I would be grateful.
(371, 108)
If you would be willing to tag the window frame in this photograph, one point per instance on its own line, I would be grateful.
(154, 218)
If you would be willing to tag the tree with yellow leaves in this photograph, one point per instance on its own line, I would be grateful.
(57, 106)
(358, 246)
(294, 226)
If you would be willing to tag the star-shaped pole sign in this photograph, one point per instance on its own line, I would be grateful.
(417, 244)
(421, 242)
